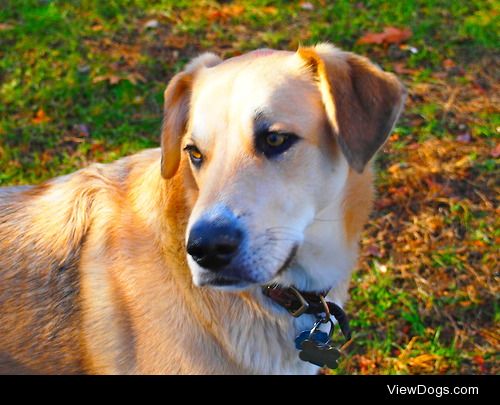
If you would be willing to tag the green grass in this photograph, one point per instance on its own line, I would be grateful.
(98, 75)
(56, 48)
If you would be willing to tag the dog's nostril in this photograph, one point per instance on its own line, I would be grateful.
(213, 245)
(226, 248)
(195, 248)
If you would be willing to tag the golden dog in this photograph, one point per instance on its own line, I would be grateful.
(155, 263)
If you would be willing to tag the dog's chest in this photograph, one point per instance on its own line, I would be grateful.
(267, 346)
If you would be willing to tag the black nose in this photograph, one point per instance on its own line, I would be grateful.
(213, 244)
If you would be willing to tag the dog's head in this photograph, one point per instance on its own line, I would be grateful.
(273, 138)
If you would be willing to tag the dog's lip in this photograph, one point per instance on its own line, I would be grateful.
(222, 281)
(288, 261)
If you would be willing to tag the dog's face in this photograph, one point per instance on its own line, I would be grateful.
(271, 138)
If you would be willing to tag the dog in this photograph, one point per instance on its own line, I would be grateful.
(158, 263)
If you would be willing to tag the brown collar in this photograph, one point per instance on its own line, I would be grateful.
(299, 302)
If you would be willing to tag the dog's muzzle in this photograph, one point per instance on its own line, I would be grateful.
(219, 243)
(214, 243)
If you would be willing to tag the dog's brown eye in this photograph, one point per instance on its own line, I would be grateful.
(275, 139)
(272, 143)
(194, 154)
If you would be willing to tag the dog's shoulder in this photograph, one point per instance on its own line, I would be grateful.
(43, 229)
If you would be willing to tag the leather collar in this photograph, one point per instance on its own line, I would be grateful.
(298, 303)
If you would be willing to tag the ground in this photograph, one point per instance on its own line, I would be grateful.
(83, 82)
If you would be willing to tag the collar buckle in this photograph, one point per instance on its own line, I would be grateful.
(304, 305)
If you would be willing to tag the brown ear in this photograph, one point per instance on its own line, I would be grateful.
(362, 102)
(176, 112)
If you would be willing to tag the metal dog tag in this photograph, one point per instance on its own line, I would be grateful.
(315, 346)
(316, 336)
(319, 354)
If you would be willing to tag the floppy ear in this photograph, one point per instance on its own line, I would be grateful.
(176, 111)
(362, 102)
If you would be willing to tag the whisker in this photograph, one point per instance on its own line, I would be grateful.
(327, 220)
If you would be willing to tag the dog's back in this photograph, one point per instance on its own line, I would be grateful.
(41, 233)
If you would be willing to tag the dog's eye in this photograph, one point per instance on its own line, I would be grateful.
(275, 139)
(194, 154)
(275, 143)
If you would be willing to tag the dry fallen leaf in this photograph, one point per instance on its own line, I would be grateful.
(40, 117)
(401, 69)
(4, 27)
(135, 77)
(226, 12)
(305, 5)
(270, 10)
(176, 41)
(448, 64)
(111, 78)
(97, 146)
(390, 35)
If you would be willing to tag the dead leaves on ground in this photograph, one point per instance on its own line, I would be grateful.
(115, 78)
(225, 12)
(390, 35)
(124, 60)
(434, 226)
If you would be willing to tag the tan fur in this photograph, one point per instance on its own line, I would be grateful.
(358, 201)
(94, 276)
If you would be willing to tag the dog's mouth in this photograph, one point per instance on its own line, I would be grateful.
(224, 282)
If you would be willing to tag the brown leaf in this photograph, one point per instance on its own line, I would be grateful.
(135, 77)
(233, 10)
(306, 5)
(226, 12)
(382, 203)
(395, 167)
(390, 35)
(97, 147)
(270, 10)
(371, 38)
(448, 64)
(111, 78)
(5, 27)
(99, 78)
(46, 157)
(40, 117)
(176, 41)
(214, 15)
(401, 69)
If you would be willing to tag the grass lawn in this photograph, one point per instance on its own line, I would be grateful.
(82, 81)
